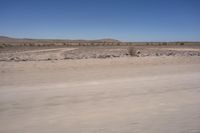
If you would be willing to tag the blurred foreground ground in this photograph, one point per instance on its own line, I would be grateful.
(120, 95)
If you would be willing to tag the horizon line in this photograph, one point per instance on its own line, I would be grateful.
(96, 39)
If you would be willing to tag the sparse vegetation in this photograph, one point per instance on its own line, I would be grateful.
(31, 44)
(132, 51)
(164, 43)
(1, 46)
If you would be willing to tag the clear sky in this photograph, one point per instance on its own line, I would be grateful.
(127, 20)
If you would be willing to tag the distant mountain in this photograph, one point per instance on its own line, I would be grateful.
(7, 39)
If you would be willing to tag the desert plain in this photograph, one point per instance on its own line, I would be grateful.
(100, 89)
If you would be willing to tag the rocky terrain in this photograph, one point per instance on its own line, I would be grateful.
(84, 52)
(12, 49)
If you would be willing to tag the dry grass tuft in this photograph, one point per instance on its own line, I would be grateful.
(132, 51)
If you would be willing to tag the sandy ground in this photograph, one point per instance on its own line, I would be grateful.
(48, 50)
(85, 52)
(121, 95)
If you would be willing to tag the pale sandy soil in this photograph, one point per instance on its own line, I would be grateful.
(183, 49)
(121, 95)
(85, 52)
(48, 50)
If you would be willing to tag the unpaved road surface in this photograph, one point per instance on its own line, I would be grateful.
(124, 95)
(48, 50)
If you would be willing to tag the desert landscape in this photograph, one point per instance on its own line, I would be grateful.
(12, 49)
(100, 66)
(99, 86)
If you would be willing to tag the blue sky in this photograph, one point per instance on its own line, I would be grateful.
(127, 20)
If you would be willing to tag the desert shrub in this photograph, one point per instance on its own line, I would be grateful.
(118, 44)
(132, 51)
(182, 43)
(7, 45)
(164, 43)
(31, 44)
(1, 46)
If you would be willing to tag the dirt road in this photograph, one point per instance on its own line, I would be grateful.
(127, 95)
(48, 50)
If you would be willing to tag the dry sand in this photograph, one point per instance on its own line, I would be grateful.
(44, 53)
(121, 95)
